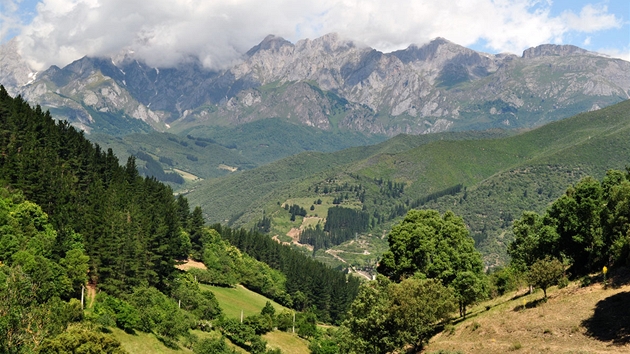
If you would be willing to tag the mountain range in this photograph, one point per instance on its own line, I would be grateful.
(328, 83)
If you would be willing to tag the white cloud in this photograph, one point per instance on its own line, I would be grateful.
(164, 32)
(623, 53)
(591, 19)
(9, 21)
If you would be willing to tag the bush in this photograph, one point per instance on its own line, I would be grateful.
(563, 282)
(202, 304)
(160, 314)
(78, 340)
(306, 324)
(239, 333)
(503, 280)
(284, 321)
(110, 311)
(516, 346)
(260, 323)
(212, 346)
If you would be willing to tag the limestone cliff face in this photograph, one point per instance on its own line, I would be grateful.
(442, 85)
(330, 82)
(14, 71)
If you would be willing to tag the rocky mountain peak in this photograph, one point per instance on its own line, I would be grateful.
(271, 43)
(549, 50)
(328, 43)
(437, 49)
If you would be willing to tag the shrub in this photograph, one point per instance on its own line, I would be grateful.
(545, 273)
(212, 346)
(159, 314)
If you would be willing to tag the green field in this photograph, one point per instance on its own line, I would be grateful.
(233, 300)
(144, 343)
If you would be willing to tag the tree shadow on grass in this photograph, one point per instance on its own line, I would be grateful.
(611, 320)
(530, 305)
(619, 277)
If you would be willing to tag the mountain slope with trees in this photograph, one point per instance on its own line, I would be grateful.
(490, 182)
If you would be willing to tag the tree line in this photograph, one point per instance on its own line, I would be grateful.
(587, 228)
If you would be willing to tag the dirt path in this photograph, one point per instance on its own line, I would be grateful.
(352, 269)
(294, 233)
(91, 295)
(334, 254)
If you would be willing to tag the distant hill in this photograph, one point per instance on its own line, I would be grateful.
(209, 152)
(499, 177)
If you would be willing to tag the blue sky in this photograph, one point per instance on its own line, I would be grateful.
(163, 32)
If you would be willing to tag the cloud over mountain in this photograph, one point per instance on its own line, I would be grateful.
(165, 32)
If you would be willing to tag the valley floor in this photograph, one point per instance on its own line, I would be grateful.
(592, 319)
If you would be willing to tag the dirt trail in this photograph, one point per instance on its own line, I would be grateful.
(334, 254)
(352, 269)
(91, 295)
(294, 233)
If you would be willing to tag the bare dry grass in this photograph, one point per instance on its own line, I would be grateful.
(187, 175)
(190, 263)
(227, 168)
(567, 323)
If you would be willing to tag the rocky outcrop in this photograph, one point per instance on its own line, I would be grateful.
(547, 50)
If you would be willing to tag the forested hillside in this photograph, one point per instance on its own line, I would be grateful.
(74, 222)
(127, 224)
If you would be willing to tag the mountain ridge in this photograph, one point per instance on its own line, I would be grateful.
(333, 83)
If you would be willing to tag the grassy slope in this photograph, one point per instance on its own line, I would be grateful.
(147, 343)
(144, 343)
(446, 163)
(233, 300)
(564, 324)
(490, 205)
(172, 147)
(289, 343)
